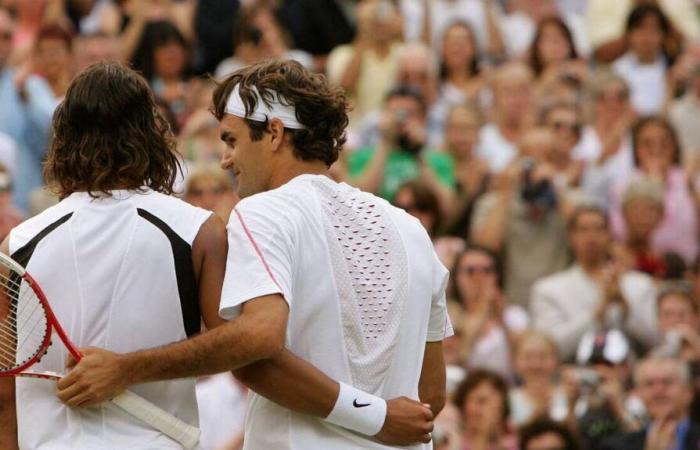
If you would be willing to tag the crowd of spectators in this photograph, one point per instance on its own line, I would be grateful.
(551, 149)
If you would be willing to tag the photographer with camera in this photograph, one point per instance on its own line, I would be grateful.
(401, 154)
(523, 216)
(595, 291)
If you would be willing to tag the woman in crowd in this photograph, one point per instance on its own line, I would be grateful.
(490, 325)
(537, 368)
(657, 156)
(483, 401)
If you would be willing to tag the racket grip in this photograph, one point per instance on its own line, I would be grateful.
(166, 423)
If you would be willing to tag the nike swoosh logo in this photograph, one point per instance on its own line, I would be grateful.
(359, 405)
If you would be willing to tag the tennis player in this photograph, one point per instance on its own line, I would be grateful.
(338, 276)
(123, 264)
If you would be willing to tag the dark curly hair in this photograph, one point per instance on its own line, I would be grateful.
(108, 134)
(542, 426)
(319, 107)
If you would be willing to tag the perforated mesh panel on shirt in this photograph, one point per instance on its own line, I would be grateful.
(370, 268)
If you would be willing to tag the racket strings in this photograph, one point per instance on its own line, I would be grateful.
(23, 322)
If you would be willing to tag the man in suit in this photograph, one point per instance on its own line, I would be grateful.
(664, 384)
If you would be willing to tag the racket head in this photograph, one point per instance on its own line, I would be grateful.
(25, 319)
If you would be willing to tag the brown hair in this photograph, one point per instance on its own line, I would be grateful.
(320, 108)
(662, 122)
(536, 62)
(476, 378)
(108, 134)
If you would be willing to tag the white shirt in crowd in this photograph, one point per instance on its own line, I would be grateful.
(495, 148)
(647, 82)
(8, 153)
(563, 305)
(365, 292)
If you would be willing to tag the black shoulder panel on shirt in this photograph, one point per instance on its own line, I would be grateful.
(24, 254)
(184, 272)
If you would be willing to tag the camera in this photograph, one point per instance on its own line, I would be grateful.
(536, 193)
(587, 378)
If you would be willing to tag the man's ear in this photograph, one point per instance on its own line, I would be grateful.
(276, 129)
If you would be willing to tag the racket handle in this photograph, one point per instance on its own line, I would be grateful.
(166, 423)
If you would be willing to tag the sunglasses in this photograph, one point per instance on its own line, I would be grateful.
(473, 270)
(6, 35)
(567, 126)
(199, 192)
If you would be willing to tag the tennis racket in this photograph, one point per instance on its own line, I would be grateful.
(27, 324)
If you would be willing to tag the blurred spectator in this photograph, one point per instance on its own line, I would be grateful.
(27, 107)
(9, 216)
(211, 188)
(460, 66)
(367, 67)
(53, 57)
(564, 119)
(643, 210)
(606, 23)
(553, 53)
(568, 304)
(607, 143)
(95, 16)
(512, 115)
(520, 23)
(258, 35)
(664, 385)
(162, 57)
(679, 322)
(539, 395)
(434, 17)
(597, 388)
(401, 154)
(489, 324)
(483, 400)
(657, 155)
(644, 65)
(199, 140)
(471, 173)
(419, 200)
(683, 114)
(523, 217)
(92, 48)
(545, 434)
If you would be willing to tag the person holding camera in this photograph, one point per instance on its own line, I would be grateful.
(523, 217)
(401, 154)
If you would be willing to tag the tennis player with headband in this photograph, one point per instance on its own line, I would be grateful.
(337, 276)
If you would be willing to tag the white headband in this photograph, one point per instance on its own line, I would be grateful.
(263, 112)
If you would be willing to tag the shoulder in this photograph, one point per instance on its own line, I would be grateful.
(178, 215)
(556, 282)
(43, 222)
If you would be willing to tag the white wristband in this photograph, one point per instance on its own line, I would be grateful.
(358, 411)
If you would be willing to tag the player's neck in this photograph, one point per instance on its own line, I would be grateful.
(290, 171)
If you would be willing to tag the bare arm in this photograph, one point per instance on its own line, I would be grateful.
(291, 382)
(611, 50)
(209, 258)
(495, 47)
(490, 231)
(8, 411)
(431, 387)
(351, 74)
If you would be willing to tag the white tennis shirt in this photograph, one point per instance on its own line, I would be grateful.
(118, 274)
(365, 292)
